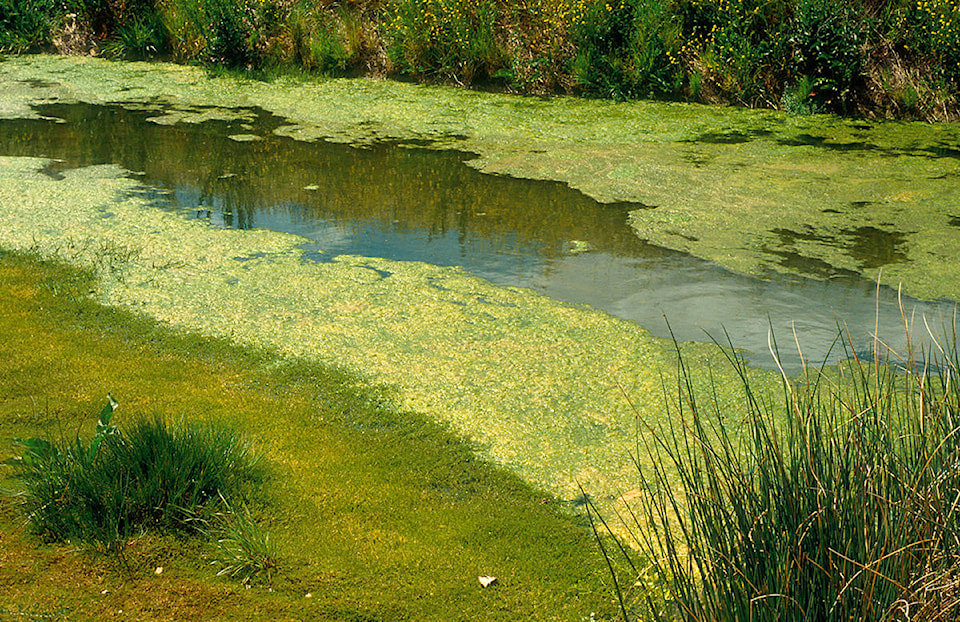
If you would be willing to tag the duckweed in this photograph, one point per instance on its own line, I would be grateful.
(537, 384)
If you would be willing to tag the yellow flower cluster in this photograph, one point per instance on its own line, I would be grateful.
(552, 19)
(941, 28)
(449, 37)
(449, 21)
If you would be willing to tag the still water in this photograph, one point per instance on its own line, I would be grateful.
(406, 202)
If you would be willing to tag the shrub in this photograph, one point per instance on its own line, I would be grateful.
(826, 39)
(539, 43)
(937, 27)
(26, 24)
(627, 49)
(156, 475)
(316, 41)
(139, 37)
(450, 39)
(839, 505)
(738, 45)
(228, 32)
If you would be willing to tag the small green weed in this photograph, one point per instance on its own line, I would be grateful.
(242, 549)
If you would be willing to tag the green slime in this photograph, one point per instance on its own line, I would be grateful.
(542, 387)
(539, 385)
(755, 191)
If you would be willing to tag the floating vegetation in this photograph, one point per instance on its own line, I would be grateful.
(537, 384)
(724, 180)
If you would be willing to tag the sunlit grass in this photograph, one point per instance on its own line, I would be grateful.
(373, 511)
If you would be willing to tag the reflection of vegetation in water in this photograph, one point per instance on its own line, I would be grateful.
(718, 199)
(383, 186)
(533, 381)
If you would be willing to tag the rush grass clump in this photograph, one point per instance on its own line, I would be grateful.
(840, 503)
(155, 475)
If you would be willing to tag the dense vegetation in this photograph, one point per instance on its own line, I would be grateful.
(896, 58)
(844, 509)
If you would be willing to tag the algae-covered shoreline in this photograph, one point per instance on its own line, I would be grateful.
(539, 385)
(372, 512)
(755, 191)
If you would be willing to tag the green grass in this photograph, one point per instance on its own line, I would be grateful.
(838, 503)
(375, 512)
(150, 475)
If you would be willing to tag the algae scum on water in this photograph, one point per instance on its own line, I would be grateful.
(539, 385)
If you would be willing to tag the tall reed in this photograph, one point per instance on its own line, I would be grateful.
(836, 500)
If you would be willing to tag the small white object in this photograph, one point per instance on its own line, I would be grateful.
(159, 570)
(309, 595)
(486, 581)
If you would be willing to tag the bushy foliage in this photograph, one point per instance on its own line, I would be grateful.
(154, 475)
(627, 49)
(750, 52)
(826, 38)
(449, 39)
(317, 44)
(937, 26)
(26, 24)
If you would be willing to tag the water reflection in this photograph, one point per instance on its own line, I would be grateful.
(413, 204)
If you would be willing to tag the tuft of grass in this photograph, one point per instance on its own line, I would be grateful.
(839, 503)
(156, 475)
(243, 550)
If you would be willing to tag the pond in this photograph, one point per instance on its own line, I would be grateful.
(481, 255)
(402, 201)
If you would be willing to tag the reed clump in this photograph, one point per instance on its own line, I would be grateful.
(837, 500)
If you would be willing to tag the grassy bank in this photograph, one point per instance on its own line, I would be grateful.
(891, 58)
(375, 513)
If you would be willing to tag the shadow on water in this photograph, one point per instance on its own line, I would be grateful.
(407, 203)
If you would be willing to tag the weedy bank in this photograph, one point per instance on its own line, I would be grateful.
(898, 58)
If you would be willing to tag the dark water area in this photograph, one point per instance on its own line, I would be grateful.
(409, 203)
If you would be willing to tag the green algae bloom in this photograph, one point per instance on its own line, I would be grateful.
(755, 191)
(540, 386)
(537, 384)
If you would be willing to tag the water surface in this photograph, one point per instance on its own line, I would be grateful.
(404, 202)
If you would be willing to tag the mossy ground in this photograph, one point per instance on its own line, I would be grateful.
(378, 513)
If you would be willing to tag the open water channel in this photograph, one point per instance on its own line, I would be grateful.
(406, 202)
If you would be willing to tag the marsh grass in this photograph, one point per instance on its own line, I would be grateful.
(242, 549)
(153, 475)
(839, 502)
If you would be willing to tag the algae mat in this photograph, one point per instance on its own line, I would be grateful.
(535, 383)
(756, 191)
